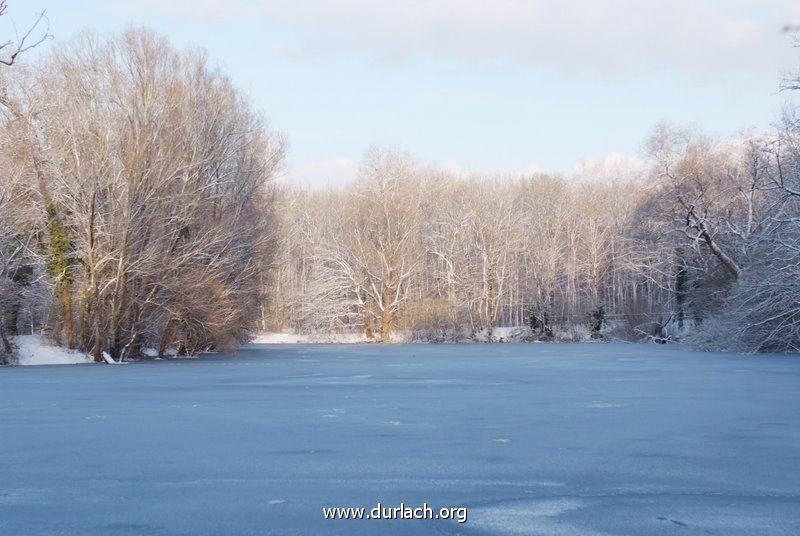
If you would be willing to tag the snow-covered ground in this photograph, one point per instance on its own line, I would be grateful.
(34, 350)
(305, 338)
(538, 439)
(574, 333)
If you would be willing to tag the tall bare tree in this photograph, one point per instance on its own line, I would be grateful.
(150, 171)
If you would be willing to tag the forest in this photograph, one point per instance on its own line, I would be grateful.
(141, 210)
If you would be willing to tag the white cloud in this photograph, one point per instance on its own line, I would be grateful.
(188, 10)
(699, 37)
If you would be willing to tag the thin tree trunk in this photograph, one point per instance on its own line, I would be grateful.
(7, 349)
(165, 338)
(386, 314)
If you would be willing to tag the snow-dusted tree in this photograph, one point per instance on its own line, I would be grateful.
(763, 310)
(490, 251)
(149, 171)
(376, 250)
(15, 236)
(693, 171)
(473, 240)
(13, 242)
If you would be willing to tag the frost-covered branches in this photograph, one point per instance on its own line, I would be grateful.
(737, 205)
(706, 242)
(415, 249)
(148, 172)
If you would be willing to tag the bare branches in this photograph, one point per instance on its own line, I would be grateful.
(711, 228)
(791, 82)
(405, 249)
(157, 174)
(37, 33)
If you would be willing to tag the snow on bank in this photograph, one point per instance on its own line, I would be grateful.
(500, 334)
(33, 350)
(304, 338)
(560, 333)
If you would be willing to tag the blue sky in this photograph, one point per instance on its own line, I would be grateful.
(501, 86)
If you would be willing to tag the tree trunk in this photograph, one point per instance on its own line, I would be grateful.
(165, 338)
(97, 350)
(6, 343)
(680, 285)
(490, 297)
(368, 332)
(386, 314)
(60, 263)
(723, 257)
(65, 299)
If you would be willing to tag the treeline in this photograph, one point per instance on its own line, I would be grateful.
(406, 247)
(138, 215)
(134, 211)
(701, 242)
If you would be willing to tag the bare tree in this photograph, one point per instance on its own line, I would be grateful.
(150, 174)
(12, 242)
(37, 33)
(407, 248)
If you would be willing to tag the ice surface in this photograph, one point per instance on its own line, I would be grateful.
(535, 439)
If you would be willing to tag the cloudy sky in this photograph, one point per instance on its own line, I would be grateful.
(474, 85)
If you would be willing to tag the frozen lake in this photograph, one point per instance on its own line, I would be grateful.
(533, 439)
